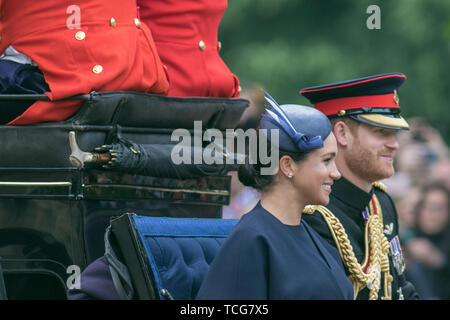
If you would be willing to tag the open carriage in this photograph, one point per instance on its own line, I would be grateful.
(61, 183)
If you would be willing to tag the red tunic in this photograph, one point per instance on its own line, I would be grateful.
(81, 46)
(185, 33)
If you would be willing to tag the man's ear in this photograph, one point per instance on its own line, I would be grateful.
(342, 133)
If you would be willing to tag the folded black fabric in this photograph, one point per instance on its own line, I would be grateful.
(17, 78)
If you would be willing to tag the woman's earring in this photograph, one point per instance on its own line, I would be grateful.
(290, 175)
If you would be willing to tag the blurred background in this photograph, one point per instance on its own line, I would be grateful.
(284, 46)
(287, 45)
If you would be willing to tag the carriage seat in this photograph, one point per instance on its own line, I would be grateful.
(165, 258)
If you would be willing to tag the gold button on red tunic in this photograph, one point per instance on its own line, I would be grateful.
(97, 69)
(80, 35)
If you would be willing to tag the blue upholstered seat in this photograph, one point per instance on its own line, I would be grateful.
(180, 250)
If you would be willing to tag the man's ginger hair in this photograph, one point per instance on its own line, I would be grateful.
(352, 124)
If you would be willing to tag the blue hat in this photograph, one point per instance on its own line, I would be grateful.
(301, 128)
(373, 100)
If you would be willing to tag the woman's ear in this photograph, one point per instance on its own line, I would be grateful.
(287, 165)
(342, 133)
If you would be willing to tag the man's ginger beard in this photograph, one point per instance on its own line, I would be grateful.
(365, 162)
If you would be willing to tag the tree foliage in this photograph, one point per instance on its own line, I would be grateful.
(286, 45)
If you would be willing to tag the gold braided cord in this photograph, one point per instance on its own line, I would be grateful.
(376, 252)
(380, 186)
(384, 247)
(357, 275)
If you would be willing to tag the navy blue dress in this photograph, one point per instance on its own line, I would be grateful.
(266, 259)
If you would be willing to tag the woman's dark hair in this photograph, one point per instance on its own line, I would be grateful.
(250, 174)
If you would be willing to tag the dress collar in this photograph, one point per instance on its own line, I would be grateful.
(350, 194)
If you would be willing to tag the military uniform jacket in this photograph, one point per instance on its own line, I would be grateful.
(81, 46)
(347, 203)
(185, 33)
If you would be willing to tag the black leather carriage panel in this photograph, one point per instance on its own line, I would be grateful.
(138, 109)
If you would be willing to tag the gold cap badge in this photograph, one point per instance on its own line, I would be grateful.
(396, 98)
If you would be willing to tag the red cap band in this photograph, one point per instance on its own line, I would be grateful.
(331, 107)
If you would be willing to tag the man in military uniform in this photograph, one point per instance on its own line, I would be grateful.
(361, 220)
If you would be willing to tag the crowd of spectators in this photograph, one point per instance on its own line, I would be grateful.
(421, 191)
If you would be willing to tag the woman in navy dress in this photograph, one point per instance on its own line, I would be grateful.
(272, 253)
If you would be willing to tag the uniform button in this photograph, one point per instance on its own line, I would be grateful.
(202, 45)
(219, 46)
(137, 22)
(97, 69)
(80, 35)
(112, 22)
